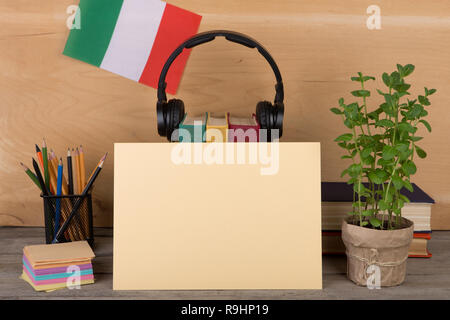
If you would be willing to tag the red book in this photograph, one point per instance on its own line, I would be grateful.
(243, 129)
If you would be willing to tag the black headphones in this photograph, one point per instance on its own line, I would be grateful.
(170, 113)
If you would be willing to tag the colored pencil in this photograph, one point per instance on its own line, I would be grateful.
(54, 161)
(70, 178)
(80, 221)
(69, 171)
(77, 171)
(31, 175)
(52, 171)
(45, 164)
(52, 157)
(37, 171)
(82, 172)
(79, 202)
(102, 159)
(81, 224)
(39, 156)
(71, 232)
(82, 185)
(58, 193)
(65, 190)
(82, 169)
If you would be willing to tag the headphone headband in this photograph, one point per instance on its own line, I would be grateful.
(230, 36)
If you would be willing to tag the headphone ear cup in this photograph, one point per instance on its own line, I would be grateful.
(269, 115)
(278, 114)
(176, 113)
(262, 114)
(169, 127)
(161, 118)
(264, 117)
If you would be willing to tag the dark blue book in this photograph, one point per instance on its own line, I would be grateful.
(343, 192)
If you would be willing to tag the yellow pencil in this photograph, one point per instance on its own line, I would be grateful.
(82, 169)
(77, 171)
(93, 171)
(52, 173)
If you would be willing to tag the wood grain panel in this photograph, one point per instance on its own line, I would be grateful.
(318, 46)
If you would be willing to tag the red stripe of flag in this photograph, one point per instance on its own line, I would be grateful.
(176, 26)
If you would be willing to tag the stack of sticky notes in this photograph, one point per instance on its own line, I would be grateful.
(49, 267)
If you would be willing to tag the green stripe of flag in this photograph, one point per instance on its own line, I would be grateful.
(98, 20)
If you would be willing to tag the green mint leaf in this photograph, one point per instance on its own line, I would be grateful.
(408, 69)
(384, 123)
(361, 93)
(375, 222)
(336, 111)
(344, 137)
(420, 152)
(426, 124)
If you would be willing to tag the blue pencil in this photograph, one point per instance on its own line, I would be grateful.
(58, 193)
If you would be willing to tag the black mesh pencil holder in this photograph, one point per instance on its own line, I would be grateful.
(81, 225)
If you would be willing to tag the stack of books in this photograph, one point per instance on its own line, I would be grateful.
(217, 128)
(337, 200)
(55, 266)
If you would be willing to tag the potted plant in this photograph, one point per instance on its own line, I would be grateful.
(381, 144)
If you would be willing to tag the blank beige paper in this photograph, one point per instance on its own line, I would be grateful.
(216, 226)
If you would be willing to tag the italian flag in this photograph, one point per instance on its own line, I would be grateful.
(133, 38)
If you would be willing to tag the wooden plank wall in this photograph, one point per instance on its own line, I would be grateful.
(318, 45)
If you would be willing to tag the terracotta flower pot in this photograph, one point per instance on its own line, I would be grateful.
(385, 251)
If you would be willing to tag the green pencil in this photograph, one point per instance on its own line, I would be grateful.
(31, 175)
(45, 161)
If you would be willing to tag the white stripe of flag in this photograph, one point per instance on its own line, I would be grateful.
(133, 37)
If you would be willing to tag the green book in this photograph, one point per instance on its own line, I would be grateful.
(192, 128)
